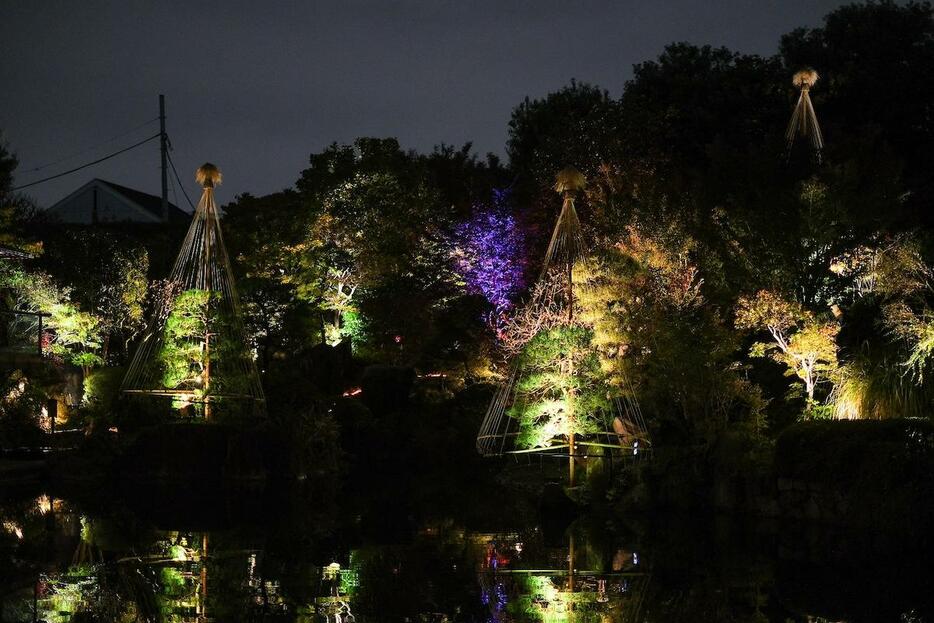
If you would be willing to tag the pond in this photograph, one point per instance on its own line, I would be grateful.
(365, 554)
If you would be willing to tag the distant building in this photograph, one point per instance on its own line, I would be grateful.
(100, 201)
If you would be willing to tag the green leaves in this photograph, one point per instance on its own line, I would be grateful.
(200, 337)
(183, 354)
(562, 391)
(75, 334)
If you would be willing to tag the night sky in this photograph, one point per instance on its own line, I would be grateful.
(255, 87)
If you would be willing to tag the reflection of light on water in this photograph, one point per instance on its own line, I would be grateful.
(45, 422)
(171, 564)
(331, 571)
(60, 596)
(178, 553)
(335, 610)
(601, 592)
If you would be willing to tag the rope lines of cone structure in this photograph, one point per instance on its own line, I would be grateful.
(623, 429)
(202, 265)
(803, 119)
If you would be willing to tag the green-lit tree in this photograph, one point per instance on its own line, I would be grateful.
(107, 274)
(185, 352)
(73, 335)
(375, 245)
(196, 349)
(557, 394)
(563, 392)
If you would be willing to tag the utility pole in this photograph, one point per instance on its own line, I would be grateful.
(163, 147)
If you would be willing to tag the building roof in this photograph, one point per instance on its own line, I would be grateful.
(143, 202)
(151, 203)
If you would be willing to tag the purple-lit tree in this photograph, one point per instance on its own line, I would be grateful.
(489, 255)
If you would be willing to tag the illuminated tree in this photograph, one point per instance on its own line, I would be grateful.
(197, 341)
(632, 290)
(546, 310)
(70, 333)
(801, 341)
(489, 255)
(21, 401)
(107, 274)
(195, 349)
(338, 299)
(887, 329)
(183, 354)
(562, 392)
(362, 250)
(905, 282)
(557, 391)
(377, 249)
(659, 338)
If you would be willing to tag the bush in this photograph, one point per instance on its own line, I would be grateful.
(101, 392)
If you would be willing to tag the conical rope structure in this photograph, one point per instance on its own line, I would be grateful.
(195, 350)
(804, 119)
(577, 418)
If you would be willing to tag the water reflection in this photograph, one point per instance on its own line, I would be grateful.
(524, 579)
(63, 562)
(71, 566)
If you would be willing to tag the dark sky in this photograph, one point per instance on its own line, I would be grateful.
(256, 86)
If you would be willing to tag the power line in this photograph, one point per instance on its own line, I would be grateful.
(174, 189)
(180, 185)
(92, 148)
(84, 166)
